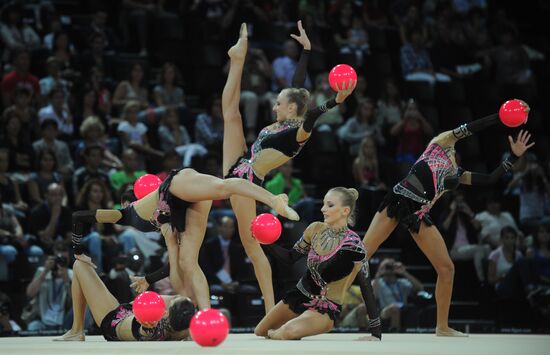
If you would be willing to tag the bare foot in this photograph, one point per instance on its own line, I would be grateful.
(369, 338)
(71, 336)
(282, 208)
(238, 51)
(449, 332)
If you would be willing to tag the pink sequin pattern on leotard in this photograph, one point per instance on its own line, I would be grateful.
(441, 167)
(245, 167)
(350, 241)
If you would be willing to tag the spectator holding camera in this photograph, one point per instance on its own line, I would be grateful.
(392, 286)
(534, 189)
(411, 132)
(52, 286)
(461, 230)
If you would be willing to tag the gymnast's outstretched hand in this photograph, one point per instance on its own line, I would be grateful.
(302, 38)
(521, 144)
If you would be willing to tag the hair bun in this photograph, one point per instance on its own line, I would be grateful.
(354, 193)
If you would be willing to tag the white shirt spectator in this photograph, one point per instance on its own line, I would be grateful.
(502, 265)
(64, 122)
(135, 133)
(492, 224)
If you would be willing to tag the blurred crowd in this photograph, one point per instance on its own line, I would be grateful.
(98, 93)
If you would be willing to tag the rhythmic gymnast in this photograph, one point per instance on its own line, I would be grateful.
(410, 201)
(183, 200)
(275, 145)
(117, 321)
(335, 255)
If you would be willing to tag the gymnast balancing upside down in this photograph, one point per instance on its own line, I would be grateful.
(335, 255)
(183, 201)
(117, 321)
(275, 145)
(410, 201)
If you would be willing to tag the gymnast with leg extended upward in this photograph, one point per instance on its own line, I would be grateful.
(117, 321)
(275, 145)
(410, 201)
(335, 255)
(183, 201)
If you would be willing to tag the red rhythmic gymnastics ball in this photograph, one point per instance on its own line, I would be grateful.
(148, 307)
(340, 75)
(146, 184)
(513, 113)
(266, 228)
(209, 327)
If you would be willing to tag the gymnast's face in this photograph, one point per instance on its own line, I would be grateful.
(333, 210)
(282, 108)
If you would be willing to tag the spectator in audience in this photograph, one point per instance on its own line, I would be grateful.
(461, 234)
(209, 126)
(46, 174)
(95, 195)
(172, 135)
(167, 93)
(54, 79)
(510, 60)
(492, 221)
(11, 234)
(92, 131)
(416, 64)
(58, 111)
(170, 161)
(503, 258)
(285, 182)
(255, 89)
(51, 221)
(7, 324)
(21, 155)
(367, 166)
(285, 66)
(534, 190)
(93, 156)
(102, 102)
(224, 259)
(95, 57)
(16, 35)
(27, 114)
(9, 189)
(64, 161)
(390, 105)
(355, 41)
(98, 25)
(63, 51)
(132, 90)
(136, 17)
(19, 77)
(133, 134)
(411, 132)
(129, 172)
(393, 285)
(52, 286)
(362, 125)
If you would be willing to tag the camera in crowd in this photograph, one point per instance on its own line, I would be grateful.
(60, 261)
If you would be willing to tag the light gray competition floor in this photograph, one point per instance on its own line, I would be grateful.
(244, 344)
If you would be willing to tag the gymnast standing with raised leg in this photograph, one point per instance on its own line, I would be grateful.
(410, 201)
(275, 145)
(183, 201)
